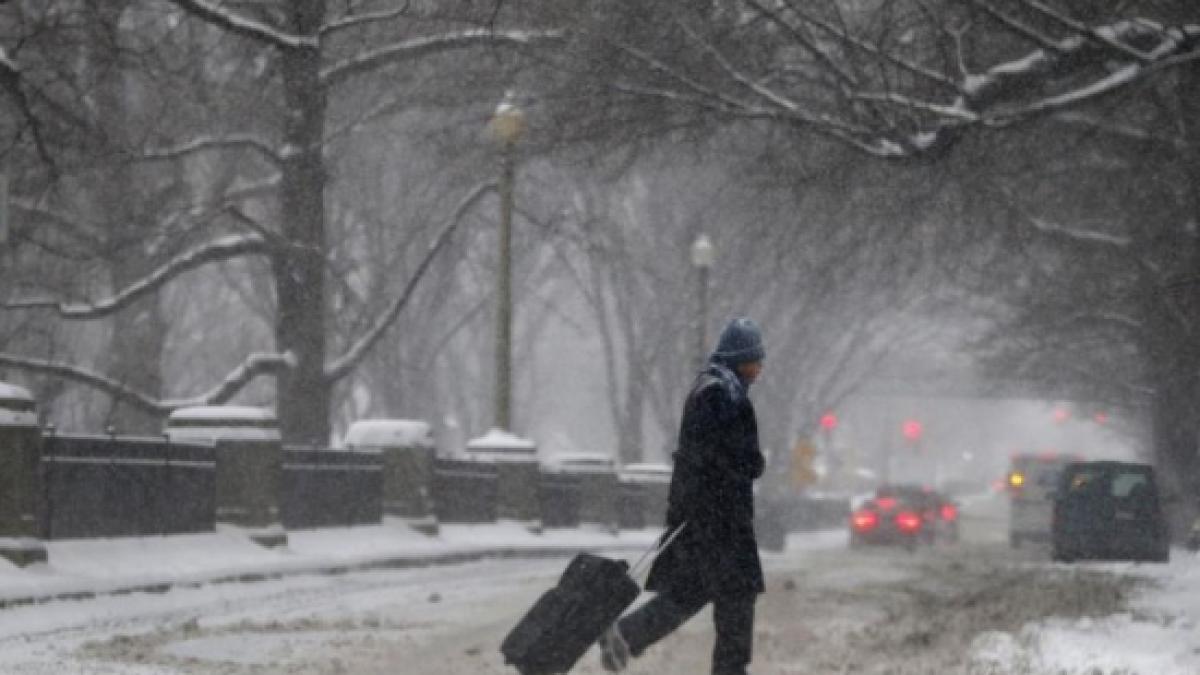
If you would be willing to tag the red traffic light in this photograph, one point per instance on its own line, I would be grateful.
(829, 421)
(912, 430)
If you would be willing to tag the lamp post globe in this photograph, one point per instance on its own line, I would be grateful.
(703, 252)
(507, 127)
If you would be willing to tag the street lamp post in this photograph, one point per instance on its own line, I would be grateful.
(703, 256)
(506, 126)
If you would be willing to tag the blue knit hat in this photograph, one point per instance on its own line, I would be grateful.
(740, 342)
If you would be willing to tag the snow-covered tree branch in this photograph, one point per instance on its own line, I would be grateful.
(225, 18)
(837, 73)
(409, 50)
(364, 19)
(204, 143)
(215, 251)
(254, 366)
(342, 366)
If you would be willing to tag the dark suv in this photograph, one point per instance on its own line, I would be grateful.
(1108, 511)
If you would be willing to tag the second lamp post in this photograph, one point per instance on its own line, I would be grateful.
(507, 126)
(703, 256)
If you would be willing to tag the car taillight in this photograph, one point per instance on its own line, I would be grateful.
(886, 503)
(864, 520)
(908, 522)
(949, 512)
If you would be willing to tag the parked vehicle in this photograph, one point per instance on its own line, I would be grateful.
(1031, 483)
(888, 521)
(1109, 511)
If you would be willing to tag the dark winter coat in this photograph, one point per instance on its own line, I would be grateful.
(712, 491)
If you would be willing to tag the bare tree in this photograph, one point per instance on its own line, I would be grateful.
(313, 58)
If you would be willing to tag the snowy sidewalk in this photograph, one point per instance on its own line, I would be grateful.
(1159, 633)
(87, 567)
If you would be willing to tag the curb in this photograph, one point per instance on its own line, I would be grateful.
(330, 569)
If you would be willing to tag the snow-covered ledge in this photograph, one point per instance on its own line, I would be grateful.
(498, 445)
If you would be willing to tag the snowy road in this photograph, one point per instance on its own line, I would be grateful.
(961, 609)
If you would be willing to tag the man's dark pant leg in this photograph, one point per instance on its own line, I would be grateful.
(657, 618)
(734, 619)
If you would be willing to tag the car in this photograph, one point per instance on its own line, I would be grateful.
(888, 521)
(1031, 482)
(1109, 510)
(939, 513)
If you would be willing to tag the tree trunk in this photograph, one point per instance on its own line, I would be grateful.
(1177, 421)
(1175, 430)
(304, 394)
(630, 438)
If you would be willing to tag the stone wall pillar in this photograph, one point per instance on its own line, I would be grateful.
(598, 487)
(649, 486)
(516, 476)
(20, 478)
(598, 500)
(249, 474)
(407, 451)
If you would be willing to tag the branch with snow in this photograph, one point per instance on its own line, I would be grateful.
(1081, 236)
(1015, 75)
(222, 17)
(347, 362)
(989, 96)
(1102, 317)
(423, 46)
(1101, 36)
(221, 249)
(254, 366)
(364, 19)
(203, 144)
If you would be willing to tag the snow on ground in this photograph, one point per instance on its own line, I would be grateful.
(980, 595)
(1159, 635)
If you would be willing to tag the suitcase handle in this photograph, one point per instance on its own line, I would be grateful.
(649, 556)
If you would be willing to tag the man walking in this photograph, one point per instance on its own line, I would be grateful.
(715, 558)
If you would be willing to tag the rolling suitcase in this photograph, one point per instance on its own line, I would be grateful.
(567, 619)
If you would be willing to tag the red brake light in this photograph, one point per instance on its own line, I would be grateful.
(949, 512)
(886, 503)
(908, 522)
(864, 520)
